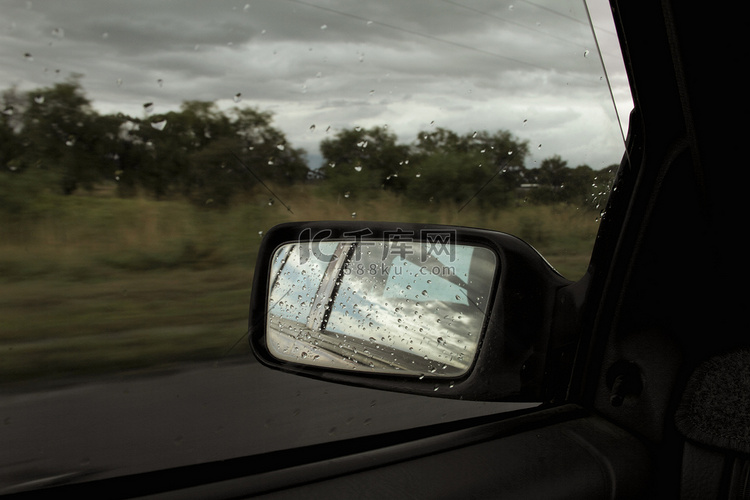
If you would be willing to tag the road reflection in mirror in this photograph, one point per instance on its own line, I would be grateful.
(378, 307)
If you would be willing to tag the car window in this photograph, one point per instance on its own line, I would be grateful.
(146, 147)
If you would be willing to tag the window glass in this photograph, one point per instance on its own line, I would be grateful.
(146, 146)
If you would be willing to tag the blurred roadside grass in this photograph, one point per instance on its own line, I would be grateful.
(95, 284)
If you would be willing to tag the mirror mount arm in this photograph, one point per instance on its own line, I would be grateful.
(565, 336)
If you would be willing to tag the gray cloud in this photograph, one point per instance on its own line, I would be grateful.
(527, 66)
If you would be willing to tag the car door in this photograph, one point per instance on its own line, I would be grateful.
(623, 340)
(639, 315)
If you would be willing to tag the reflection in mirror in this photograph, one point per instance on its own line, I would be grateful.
(379, 307)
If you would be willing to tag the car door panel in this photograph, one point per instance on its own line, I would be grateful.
(582, 458)
(561, 452)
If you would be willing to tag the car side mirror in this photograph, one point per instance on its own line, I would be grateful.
(425, 309)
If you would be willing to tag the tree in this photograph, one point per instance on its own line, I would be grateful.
(551, 177)
(359, 160)
(204, 154)
(559, 183)
(265, 149)
(58, 131)
(11, 149)
(476, 167)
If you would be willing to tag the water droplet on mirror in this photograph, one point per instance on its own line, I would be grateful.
(586, 53)
(28, 56)
(358, 168)
(354, 215)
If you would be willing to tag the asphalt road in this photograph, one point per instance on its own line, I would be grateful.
(196, 414)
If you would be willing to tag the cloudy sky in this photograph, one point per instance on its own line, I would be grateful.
(527, 66)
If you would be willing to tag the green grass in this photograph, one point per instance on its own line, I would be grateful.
(101, 284)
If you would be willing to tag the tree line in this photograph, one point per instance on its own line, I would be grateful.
(52, 138)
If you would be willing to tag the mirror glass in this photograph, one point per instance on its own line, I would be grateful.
(416, 309)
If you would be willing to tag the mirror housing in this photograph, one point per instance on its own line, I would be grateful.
(348, 322)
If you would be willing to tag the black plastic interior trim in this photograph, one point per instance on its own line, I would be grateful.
(442, 437)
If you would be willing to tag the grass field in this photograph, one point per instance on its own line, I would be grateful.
(95, 284)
